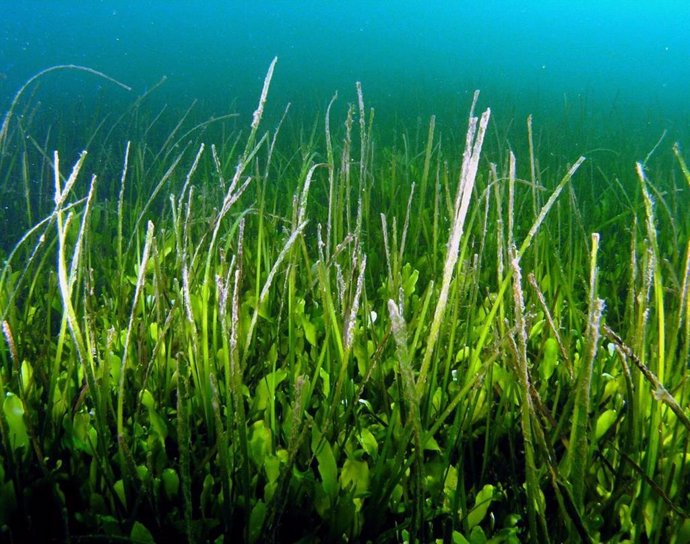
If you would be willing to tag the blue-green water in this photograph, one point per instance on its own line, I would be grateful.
(605, 79)
(610, 65)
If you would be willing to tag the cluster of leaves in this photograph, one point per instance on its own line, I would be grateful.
(259, 355)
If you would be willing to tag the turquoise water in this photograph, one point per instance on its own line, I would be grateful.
(606, 79)
(603, 79)
(629, 58)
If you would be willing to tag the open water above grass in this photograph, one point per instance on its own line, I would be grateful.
(574, 65)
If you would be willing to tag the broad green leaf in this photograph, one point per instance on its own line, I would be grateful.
(27, 374)
(436, 399)
(256, 521)
(141, 534)
(259, 442)
(683, 534)
(649, 521)
(84, 434)
(97, 504)
(396, 499)
(604, 422)
(159, 426)
(477, 536)
(309, 331)
(153, 331)
(197, 305)
(171, 482)
(451, 482)
(536, 329)
(430, 444)
(270, 490)
(272, 467)
(545, 282)
(119, 487)
(93, 440)
(355, 475)
(462, 354)
(322, 503)
(409, 279)
(328, 470)
(13, 407)
(272, 356)
(550, 359)
(266, 388)
(147, 399)
(326, 382)
(80, 426)
(114, 363)
(612, 387)
(481, 506)
(208, 496)
(368, 442)
(459, 539)
(60, 406)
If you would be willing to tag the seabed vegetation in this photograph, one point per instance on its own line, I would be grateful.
(306, 338)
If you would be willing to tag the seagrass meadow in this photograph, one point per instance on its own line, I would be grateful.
(260, 329)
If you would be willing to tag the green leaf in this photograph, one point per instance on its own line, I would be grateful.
(328, 470)
(266, 388)
(536, 329)
(272, 467)
(159, 426)
(683, 534)
(321, 502)
(147, 399)
(326, 382)
(459, 539)
(477, 536)
(450, 489)
(141, 534)
(481, 506)
(368, 442)
(270, 490)
(260, 442)
(84, 435)
(13, 407)
(256, 521)
(153, 331)
(119, 488)
(550, 359)
(309, 331)
(648, 516)
(171, 482)
(355, 476)
(430, 444)
(97, 504)
(27, 374)
(604, 422)
(462, 354)
(409, 279)
(208, 497)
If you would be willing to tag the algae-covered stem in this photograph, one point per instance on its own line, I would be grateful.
(470, 164)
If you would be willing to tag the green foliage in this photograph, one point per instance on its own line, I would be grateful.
(281, 349)
(13, 410)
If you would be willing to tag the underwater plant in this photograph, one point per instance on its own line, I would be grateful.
(278, 336)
